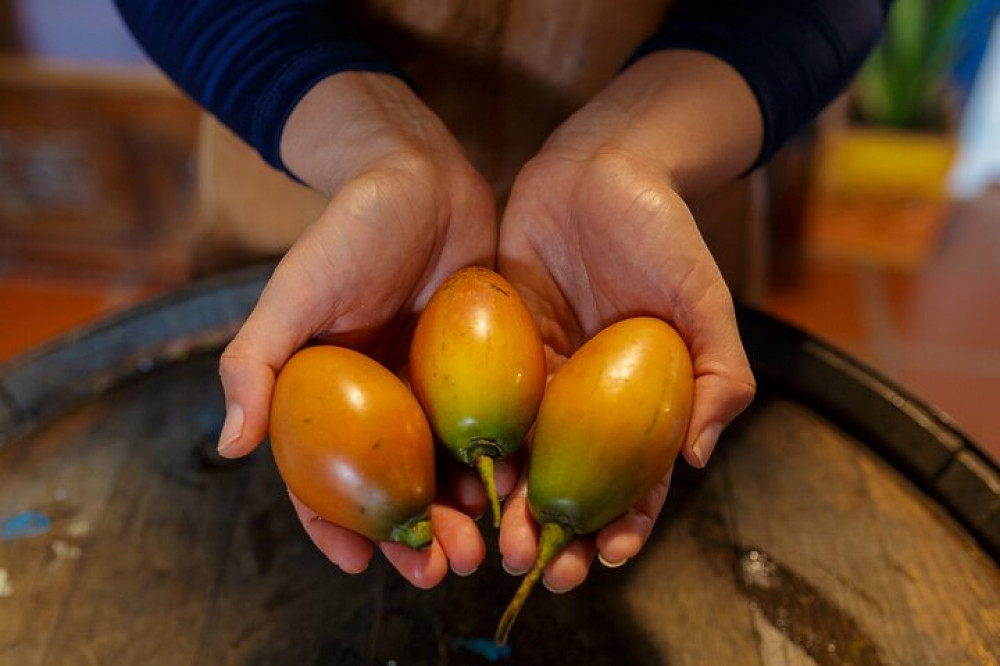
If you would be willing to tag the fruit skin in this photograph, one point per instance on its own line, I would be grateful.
(611, 424)
(477, 366)
(352, 443)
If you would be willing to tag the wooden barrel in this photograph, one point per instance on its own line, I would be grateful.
(841, 522)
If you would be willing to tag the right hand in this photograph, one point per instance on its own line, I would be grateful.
(597, 230)
(406, 210)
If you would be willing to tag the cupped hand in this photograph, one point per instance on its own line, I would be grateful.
(406, 210)
(595, 231)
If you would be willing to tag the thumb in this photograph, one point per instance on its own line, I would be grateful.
(275, 329)
(718, 399)
(724, 386)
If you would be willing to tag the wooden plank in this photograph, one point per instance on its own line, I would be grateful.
(795, 540)
(153, 557)
(951, 588)
(7, 416)
(278, 599)
(895, 423)
(67, 472)
(593, 622)
(970, 486)
(84, 364)
(681, 591)
(832, 561)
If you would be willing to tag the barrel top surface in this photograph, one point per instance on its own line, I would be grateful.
(126, 539)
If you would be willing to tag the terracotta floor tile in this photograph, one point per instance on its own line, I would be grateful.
(935, 331)
(39, 308)
(823, 298)
(955, 300)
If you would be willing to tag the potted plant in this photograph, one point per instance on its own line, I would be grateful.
(879, 188)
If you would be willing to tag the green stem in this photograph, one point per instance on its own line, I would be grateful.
(415, 533)
(554, 537)
(484, 463)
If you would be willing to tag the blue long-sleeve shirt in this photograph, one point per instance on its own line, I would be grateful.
(250, 62)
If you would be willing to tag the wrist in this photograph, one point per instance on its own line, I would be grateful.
(352, 121)
(685, 114)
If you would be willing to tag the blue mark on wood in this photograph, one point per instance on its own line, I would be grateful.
(484, 647)
(24, 525)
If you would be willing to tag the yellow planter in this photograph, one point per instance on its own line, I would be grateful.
(879, 196)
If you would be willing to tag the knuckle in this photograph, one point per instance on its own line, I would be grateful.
(413, 161)
(643, 518)
(746, 389)
(237, 351)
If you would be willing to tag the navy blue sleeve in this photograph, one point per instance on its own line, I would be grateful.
(796, 55)
(249, 62)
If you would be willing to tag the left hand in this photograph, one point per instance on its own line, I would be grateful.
(595, 231)
(406, 210)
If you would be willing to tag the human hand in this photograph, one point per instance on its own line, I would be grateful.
(596, 230)
(406, 210)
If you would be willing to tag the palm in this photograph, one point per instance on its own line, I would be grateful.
(357, 277)
(374, 257)
(590, 244)
(590, 241)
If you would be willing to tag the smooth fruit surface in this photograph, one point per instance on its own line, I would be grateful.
(610, 425)
(351, 442)
(477, 364)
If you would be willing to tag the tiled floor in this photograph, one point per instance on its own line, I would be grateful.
(40, 305)
(935, 331)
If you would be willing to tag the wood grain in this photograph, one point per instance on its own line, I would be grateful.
(797, 546)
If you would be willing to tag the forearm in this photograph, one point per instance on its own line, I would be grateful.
(795, 56)
(693, 116)
(687, 115)
(722, 85)
(352, 122)
(250, 63)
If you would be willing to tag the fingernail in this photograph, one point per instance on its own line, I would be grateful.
(352, 572)
(610, 565)
(512, 571)
(554, 590)
(232, 428)
(462, 574)
(706, 443)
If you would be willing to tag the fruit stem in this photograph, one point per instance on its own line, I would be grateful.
(554, 537)
(415, 533)
(484, 463)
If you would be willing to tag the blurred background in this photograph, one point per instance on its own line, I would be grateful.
(883, 217)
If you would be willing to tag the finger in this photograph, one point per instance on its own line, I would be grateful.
(506, 472)
(623, 538)
(724, 385)
(349, 551)
(569, 568)
(467, 488)
(249, 364)
(462, 543)
(424, 568)
(518, 532)
(519, 545)
(718, 399)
